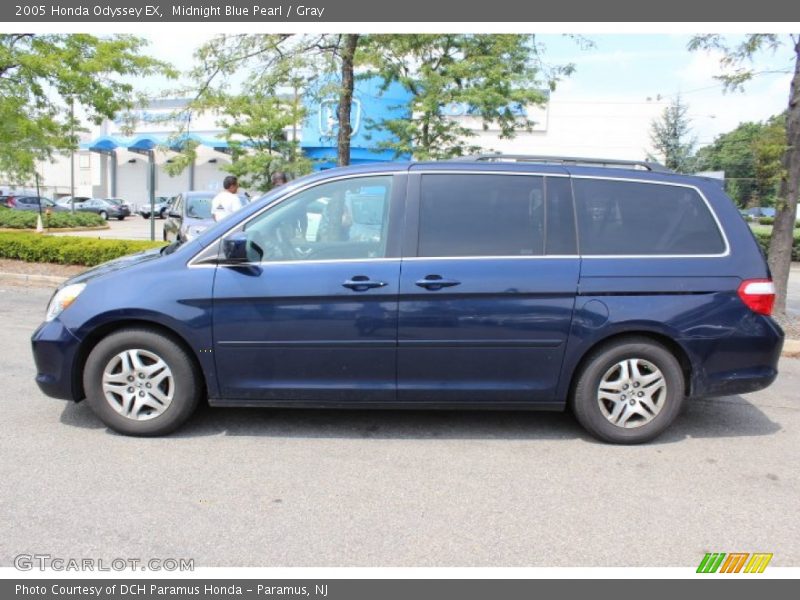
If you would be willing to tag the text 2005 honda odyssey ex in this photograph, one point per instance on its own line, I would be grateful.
(620, 290)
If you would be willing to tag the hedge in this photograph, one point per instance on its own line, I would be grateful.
(26, 219)
(67, 250)
(763, 241)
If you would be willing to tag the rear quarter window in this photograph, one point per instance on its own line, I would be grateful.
(637, 218)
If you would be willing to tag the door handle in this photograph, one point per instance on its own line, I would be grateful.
(436, 282)
(362, 283)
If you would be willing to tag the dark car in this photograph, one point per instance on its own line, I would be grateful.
(161, 207)
(104, 208)
(122, 203)
(620, 290)
(189, 215)
(32, 203)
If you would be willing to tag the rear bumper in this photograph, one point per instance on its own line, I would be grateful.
(745, 361)
(54, 352)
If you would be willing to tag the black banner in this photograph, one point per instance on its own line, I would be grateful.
(360, 11)
(392, 589)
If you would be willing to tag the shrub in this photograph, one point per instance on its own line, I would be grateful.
(766, 220)
(32, 247)
(763, 241)
(26, 219)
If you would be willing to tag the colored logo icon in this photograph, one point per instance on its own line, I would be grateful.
(734, 562)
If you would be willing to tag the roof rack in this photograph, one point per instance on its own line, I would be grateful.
(570, 160)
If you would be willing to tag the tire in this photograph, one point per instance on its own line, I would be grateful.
(165, 405)
(103, 215)
(145, 216)
(615, 405)
(120, 218)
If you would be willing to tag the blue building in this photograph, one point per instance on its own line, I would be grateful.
(371, 105)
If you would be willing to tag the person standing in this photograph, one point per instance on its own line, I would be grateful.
(279, 178)
(226, 202)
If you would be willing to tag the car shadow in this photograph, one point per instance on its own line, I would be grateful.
(732, 416)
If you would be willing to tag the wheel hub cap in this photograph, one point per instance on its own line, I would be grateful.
(138, 384)
(631, 393)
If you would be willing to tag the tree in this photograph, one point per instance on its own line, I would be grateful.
(671, 136)
(272, 61)
(737, 71)
(494, 76)
(750, 156)
(42, 77)
(255, 127)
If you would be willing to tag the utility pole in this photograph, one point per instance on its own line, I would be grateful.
(72, 155)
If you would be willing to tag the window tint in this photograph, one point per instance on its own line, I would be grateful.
(346, 219)
(622, 217)
(481, 215)
(560, 217)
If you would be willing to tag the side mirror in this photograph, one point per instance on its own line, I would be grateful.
(234, 248)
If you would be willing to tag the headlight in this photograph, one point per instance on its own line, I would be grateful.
(62, 299)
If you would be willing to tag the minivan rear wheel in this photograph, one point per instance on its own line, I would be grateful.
(629, 391)
(141, 382)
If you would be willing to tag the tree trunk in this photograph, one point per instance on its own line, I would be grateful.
(346, 99)
(780, 246)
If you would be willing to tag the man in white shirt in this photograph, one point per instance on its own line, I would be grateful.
(226, 202)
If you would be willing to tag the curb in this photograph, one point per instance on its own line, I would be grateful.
(23, 277)
(791, 347)
(53, 230)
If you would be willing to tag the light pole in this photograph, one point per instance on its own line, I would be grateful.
(72, 155)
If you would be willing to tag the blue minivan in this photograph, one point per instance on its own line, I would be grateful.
(616, 289)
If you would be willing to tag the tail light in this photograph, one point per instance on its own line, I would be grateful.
(758, 295)
(11, 202)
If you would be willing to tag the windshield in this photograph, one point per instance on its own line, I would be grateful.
(198, 206)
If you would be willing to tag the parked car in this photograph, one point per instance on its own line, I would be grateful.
(69, 201)
(122, 203)
(161, 207)
(104, 208)
(32, 203)
(189, 215)
(756, 212)
(620, 290)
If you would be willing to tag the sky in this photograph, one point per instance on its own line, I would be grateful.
(620, 68)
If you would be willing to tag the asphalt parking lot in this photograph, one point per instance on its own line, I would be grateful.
(130, 228)
(246, 487)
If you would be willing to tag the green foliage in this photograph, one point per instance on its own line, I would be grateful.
(764, 238)
(766, 220)
(751, 157)
(42, 75)
(736, 59)
(491, 73)
(32, 247)
(671, 136)
(26, 219)
(254, 126)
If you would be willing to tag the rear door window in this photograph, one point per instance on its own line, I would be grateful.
(635, 218)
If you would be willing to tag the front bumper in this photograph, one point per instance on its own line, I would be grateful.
(55, 350)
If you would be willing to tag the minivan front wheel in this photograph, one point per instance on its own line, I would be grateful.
(140, 382)
(629, 391)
